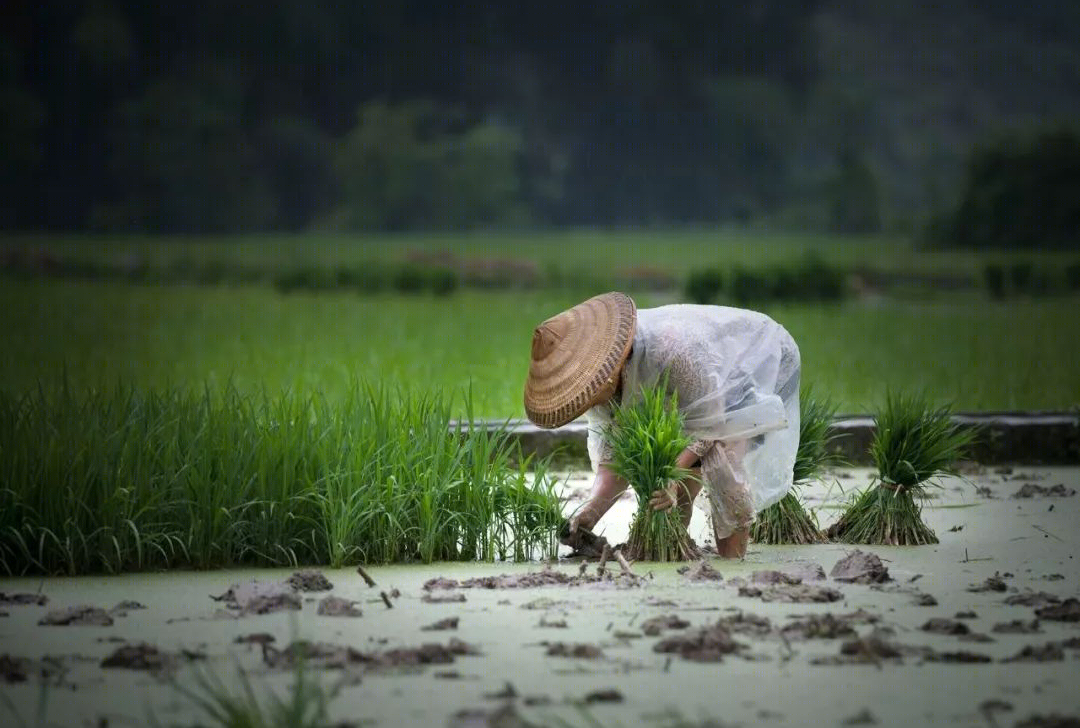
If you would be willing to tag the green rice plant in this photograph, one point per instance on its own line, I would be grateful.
(121, 479)
(786, 521)
(306, 705)
(914, 444)
(646, 438)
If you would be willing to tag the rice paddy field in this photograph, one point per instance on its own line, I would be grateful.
(162, 443)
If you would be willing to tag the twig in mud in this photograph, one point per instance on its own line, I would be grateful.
(623, 563)
(605, 554)
(633, 619)
(386, 600)
(667, 665)
(583, 568)
(367, 577)
(1040, 529)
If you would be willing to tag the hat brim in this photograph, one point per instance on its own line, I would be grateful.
(576, 358)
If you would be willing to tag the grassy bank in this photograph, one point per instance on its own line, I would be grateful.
(976, 354)
(140, 479)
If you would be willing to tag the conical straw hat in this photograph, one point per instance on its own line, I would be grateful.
(576, 358)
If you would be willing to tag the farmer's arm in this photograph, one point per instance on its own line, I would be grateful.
(607, 487)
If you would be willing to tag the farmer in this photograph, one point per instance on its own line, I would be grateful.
(736, 377)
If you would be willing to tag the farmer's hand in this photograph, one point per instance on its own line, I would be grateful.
(666, 498)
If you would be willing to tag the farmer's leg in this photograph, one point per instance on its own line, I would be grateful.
(735, 511)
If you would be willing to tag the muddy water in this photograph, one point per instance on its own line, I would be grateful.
(1030, 543)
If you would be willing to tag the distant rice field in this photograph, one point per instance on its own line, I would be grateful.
(974, 353)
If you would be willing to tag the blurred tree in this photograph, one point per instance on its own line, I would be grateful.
(854, 202)
(1022, 191)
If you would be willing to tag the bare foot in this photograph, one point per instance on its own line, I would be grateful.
(734, 546)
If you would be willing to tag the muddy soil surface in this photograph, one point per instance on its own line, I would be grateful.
(840, 627)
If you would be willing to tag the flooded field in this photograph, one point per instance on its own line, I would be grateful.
(982, 630)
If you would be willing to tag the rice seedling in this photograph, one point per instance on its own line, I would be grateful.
(914, 444)
(121, 479)
(786, 521)
(646, 437)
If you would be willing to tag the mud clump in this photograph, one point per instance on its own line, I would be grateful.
(505, 716)
(940, 625)
(745, 623)
(1017, 626)
(705, 644)
(332, 606)
(1050, 721)
(337, 657)
(609, 695)
(442, 625)
(532, 579)
(701, 571)
(1067, 611)
(309, 580)
(1033, 599)
(922, 599)
(872, 649)
(21, 599)
(81, 615)
(125, 606)
(1030, 490)
(959, 656)
(995, 583)
(773, 578)
(807, 571)
(1050, 652)
(654, 626)
(863, 717)
(860, 567)
(259, 597)
(453, 598)
(255, 638)
(792, 594)
(20, 669)
(544, 603)
(580, 650)
(824, 626)
(140, 656)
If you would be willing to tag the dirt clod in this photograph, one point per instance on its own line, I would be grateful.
(331, 606)
(260, 597)
(958, 656)
(774, 577)
(863, 717)
(993, 583)
(654, 626)
(255, 638)
(922, 599)
(872, 649)
(860, 567)
(1067, 611)
(442, 625)
(609, 695)
(815, 626)
(807, 571)
(1052, 720)
(505, 716)
(1030, 490)
(23, 599)
(453, 598)
(552, 623)
(1033, 599)
(940, 625)
(705, 644)
(20, 669)
(796, 593)
(1017, 626)
(701, 571)
(140, 656)
(580, 649)
(966, 614)
(1050, 652)
(81, 615)
(746, 624)
(309, 580)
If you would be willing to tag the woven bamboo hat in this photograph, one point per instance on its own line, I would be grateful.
(576, 358)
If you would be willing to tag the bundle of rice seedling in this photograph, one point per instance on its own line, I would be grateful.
(786, 521)
(914, 444)
(646, 438)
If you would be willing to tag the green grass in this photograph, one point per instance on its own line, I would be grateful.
(124, 479)
(977, 354)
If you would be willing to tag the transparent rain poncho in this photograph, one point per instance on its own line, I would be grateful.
(736, 375)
